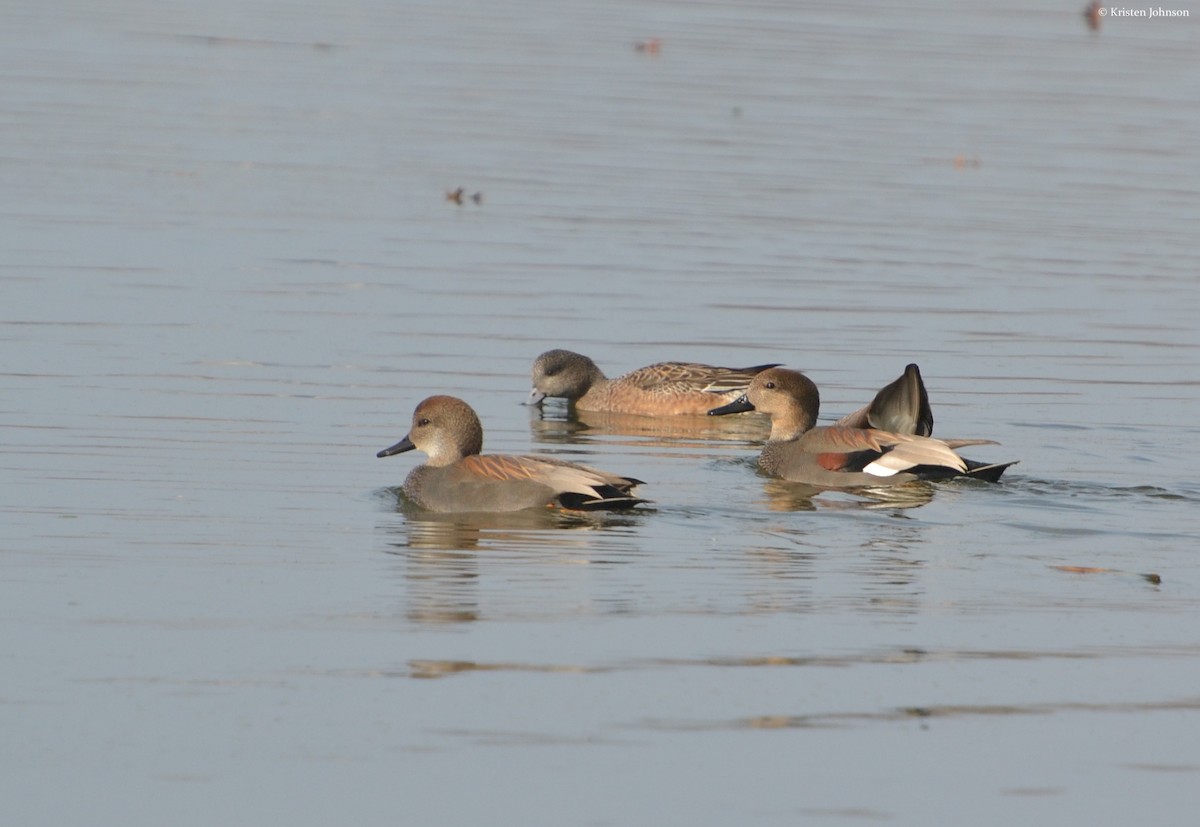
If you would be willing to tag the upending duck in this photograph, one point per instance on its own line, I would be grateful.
(662, 389)
(458, 477)
(854, 452)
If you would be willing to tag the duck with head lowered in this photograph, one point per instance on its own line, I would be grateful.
(661, 389)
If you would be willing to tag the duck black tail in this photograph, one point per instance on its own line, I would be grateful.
(988, 471)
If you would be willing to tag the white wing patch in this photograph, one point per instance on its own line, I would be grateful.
(913, 451)
(880, 468)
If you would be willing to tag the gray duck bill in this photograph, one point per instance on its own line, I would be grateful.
(739, 405)
(400, 447)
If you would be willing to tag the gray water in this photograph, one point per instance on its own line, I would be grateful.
(231, 272)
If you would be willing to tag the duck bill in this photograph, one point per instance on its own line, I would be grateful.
(400, 447)
(535, 397)
(739, 405)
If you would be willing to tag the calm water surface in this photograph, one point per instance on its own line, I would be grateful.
(231, 273)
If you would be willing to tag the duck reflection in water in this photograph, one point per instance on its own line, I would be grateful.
(440, 554)
(782, 495)
(563, 424)
(462, 531)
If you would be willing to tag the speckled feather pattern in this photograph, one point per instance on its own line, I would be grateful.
(661, 389)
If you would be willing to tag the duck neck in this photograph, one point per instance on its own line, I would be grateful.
(791, 425)
(596, 385)
(798, 416)
(596, 377)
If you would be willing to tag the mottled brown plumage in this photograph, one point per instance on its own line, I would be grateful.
(662, 389)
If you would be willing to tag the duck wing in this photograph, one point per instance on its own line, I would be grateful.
(877, 452)
(692, 376)
(900, 407)
(575, 486)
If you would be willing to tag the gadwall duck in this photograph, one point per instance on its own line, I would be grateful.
(458, 478)
(850, 455)
(662, 389)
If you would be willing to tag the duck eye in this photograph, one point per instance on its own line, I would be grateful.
(422, 421)
(769, 385)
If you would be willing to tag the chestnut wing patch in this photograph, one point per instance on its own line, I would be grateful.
(845, 449)
(832, 462)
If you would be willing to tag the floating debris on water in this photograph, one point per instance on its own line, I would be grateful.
(457, 196)
(651, 46)
(1149, 577)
